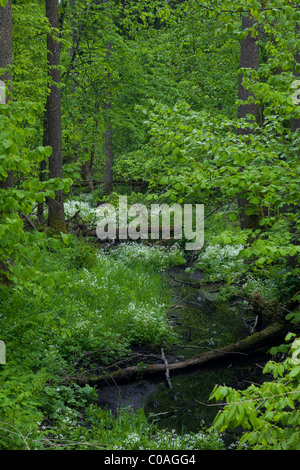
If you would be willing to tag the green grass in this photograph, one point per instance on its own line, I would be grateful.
(95, 306)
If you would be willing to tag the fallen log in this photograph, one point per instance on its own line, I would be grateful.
(122, 233)
(256, 341)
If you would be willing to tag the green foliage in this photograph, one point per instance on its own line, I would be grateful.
(221, 263)
(269, 414)
(94, 306)
(161, 440)
(205, 162)
(21, 158)
(172, 80)
(153, 257)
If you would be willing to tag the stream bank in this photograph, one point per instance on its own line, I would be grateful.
(203, 324)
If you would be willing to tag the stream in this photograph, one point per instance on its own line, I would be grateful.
(202, 323)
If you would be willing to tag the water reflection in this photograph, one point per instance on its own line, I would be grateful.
(186, 406)
(203, 323)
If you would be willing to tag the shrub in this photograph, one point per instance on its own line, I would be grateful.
(221, 263)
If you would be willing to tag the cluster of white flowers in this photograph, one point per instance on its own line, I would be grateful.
(69, 417)
(172, 441)
(132, 439)
(221, 261)
(145, 319)
(154, 255)
(87, 212)
(265, 287)
(221, 252)
(87, 277)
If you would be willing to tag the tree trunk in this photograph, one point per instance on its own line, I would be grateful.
(249, 58)
(73, 52)
(6, 59)
(43, 171)
(260, 340)
(109, 152)
(109, 159)
(56, 216)
(6, 42)
(295, 123)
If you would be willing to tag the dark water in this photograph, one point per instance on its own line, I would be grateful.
(202, 321)
(202, 324)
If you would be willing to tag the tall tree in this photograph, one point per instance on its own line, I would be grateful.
(5, 60)
(295, 123)
(109, 151)
(6, 42)
(56, 216)
(249, 59)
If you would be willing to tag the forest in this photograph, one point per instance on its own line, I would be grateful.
(165, 103)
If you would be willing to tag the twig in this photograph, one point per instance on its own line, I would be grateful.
(255, 323)
(190, 284)
(18, 432)
(24, 216)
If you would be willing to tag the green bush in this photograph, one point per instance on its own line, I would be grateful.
(269, 414)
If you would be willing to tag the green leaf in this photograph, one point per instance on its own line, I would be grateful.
(232, 216)
(66, 238)
(48, 151)
(164, 180)
(295, 371)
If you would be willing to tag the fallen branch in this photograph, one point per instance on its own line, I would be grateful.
(261, 339)
(27, 219)
(185, 283)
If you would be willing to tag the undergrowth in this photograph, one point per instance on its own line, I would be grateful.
(96, 305)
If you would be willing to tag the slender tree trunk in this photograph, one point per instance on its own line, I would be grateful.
(249, 59)
(6, 42)
(73, 50)
(109, 150)
(109, 156)
(56, 216)
(43, 171)
(295, 123)
(6, 59)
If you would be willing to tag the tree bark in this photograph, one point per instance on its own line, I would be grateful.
(262, 339)
(295, 123)
(56, 216)
(6, 57)
(249, 59)
(109, 158)
(109, 151)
